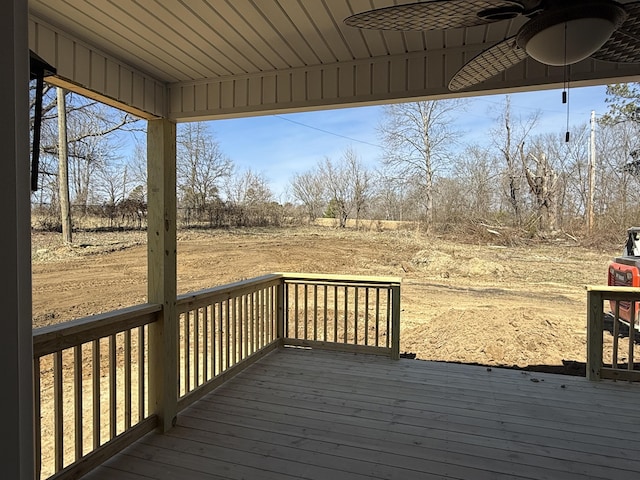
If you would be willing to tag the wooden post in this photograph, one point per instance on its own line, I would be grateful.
(161, 268)
(16, 376)
(594, 334)
(395, 321)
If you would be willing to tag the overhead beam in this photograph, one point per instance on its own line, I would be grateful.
(369, 82)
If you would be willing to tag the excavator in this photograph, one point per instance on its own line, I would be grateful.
(624, 271)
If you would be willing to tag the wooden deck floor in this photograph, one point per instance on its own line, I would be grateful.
(330, 416)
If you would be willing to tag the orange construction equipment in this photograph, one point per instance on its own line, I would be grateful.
(624, 271)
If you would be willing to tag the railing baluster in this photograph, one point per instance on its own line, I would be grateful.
(141, 373)
(325, 312)
(37, 417)
(112, 387)
(212, 333)
(261, 296)
(59, 411)
(366, 316)
(296, 315)
(346, 313)
(187, 352)
(196, 348)
(306, 312)
(335, 314)
(245, 326)
(220, 337)
(127, 380)
(205, 345)
(237, 329)
(315, 312)
(274, 303)
(377, 317)
(355, 315)
(77, 400)
(96, 393)
(254, 301)
(227, 345)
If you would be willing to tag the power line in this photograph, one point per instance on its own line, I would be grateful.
(328, 132)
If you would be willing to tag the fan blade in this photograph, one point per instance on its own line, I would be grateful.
(624, 44)
(487, 64)
(436, 15)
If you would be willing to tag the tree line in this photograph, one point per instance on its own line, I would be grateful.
(537, 184)
(531, 184)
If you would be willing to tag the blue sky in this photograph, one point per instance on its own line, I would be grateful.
(281, 145)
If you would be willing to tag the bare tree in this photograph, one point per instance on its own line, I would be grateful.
(201, 166)
(248, 188)
(92, 136)
(63, 168)
(337, 182)
(476, 170)
(509, 140)
(617, 180)
(309, 189)
(360, 178)
(570, 162)
(418, 139)
(348, 184)
(543, 185)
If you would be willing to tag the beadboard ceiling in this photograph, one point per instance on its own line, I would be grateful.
(181, 42)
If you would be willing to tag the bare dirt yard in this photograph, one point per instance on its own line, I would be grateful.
(483, 303)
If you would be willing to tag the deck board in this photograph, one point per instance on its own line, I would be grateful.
(313, 414)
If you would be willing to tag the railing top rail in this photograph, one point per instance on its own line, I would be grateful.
(58, 337)
(320, 277)
(228, 290)
(615, 293)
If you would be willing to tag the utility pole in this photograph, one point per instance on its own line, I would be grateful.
(592, 172)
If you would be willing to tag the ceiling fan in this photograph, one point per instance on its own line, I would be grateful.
(557, 33)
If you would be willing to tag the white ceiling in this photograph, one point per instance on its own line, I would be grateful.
(183, 42)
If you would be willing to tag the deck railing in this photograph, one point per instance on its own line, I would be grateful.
(91, 376)
(605, 303)
(223, 330)
(90, 389)
(344, 313)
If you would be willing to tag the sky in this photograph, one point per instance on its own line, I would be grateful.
(278, 146)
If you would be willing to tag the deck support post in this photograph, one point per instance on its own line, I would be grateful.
(162, 270)
(16, 400)
(594, 334)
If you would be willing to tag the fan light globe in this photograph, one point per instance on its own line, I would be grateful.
(571, 32)
(583, 37)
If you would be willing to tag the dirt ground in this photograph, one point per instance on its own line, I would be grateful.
(520, 306)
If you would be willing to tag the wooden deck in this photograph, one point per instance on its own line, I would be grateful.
(325, 415)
